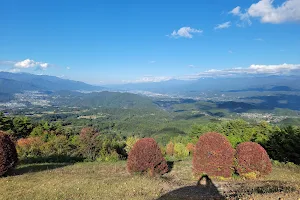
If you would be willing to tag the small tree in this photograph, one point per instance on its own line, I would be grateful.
(213, 155)
(170, 149)
(89, 143)
(8, 153)
(180, 151)
(251, 157)
(29, 147)
(145, 156)
(130, 141)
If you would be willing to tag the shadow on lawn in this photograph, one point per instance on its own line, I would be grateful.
(37, 167)
(37, 164)
(205, 189)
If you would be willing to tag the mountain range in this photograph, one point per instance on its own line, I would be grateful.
(18, 82)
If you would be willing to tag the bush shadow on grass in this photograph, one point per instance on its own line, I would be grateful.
(38, 164)
(205, 189)
(51, 159)
(170, 165)
(32, 168)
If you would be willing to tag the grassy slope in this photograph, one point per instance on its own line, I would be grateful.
(111, 181)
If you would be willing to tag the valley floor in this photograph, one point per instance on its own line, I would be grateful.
(111, 181)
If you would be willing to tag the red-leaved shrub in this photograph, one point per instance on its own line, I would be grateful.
(8, 153)
(145, 156)
(89, 143)
(251, 157)
(213, 155)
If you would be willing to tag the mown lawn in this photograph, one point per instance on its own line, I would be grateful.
(111, 181)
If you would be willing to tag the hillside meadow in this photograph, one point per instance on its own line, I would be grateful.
(110, 180)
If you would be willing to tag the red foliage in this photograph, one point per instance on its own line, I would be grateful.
(251, 157)
(213, 155)
(170, 149)
(89, 142)
(26, 143)
(190, 147)
(145, 156)
(8, 153)
(88, 136)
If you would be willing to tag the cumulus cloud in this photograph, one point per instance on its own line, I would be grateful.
(185, 32)
(17, 66)
(224, 25)
(236, 11)
(27, 63)
(244, 17)
(267, 12)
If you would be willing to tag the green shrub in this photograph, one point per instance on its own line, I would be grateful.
(109, 157)
(130, 141)
(180, 151)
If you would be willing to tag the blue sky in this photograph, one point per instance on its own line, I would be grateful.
(118, 41)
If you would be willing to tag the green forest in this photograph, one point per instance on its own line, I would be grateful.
(80, 139)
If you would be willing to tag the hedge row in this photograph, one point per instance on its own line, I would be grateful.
(213, 155)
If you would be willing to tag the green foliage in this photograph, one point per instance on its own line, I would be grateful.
(283, 145)
(130, 141)
(5, 122)
(108, 157)
(59, 145)
(237, 131)
(37, 131)
(180, 151)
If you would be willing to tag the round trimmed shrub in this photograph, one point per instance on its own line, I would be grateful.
(146, 157)
(213, 155)
(8, 153)
(252, 157)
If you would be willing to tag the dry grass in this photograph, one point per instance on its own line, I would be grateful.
(111, 181)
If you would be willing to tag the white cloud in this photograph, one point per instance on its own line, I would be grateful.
(27, 63)
(68, 68)
(252, 69)
(236, 11)
(186, 32)
(244, 17)
(274, 69)
(267, 12)
(14, 70)
(224, 25)
(147, 79)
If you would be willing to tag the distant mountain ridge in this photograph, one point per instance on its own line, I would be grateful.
(218, 84)
(19, 82)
